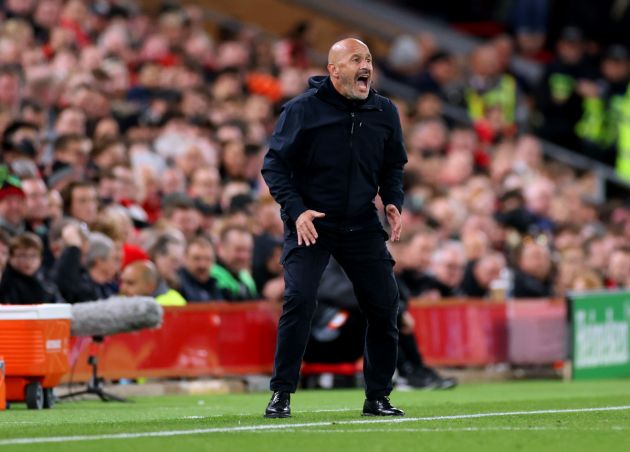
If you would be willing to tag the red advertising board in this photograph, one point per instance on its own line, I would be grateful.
(478, 332)
(217, 339)
(460, 331)
(198, 339)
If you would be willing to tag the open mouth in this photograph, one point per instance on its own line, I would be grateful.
(363, 81)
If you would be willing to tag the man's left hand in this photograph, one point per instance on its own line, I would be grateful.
(394, 220)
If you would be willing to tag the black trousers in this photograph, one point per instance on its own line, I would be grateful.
(361, 251)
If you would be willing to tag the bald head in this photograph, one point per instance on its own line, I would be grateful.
(350, 68)
(139, 278)
(345, 45)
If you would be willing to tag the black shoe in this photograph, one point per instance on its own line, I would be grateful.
(279, 405)
(380, 407)
(426, 378)
(416, 381)
(447, 383)
(440, 381)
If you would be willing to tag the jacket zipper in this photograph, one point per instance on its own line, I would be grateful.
(349, 173)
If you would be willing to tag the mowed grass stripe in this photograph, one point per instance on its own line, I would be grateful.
(306, 425)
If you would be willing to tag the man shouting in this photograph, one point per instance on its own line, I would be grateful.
(334, 148)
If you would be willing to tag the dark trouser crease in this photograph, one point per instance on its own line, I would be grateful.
(303, 268)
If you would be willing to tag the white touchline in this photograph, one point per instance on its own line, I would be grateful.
(454, 429)
(262, 427)
(336, 410)
(428, 430)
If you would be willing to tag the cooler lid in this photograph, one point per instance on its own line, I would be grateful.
(35, 311)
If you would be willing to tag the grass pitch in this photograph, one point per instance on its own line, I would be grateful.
(538, 416)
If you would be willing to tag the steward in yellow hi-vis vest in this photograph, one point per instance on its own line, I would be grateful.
(605, 117)
(488, 88)
(171, 298)
(558, 102)
(502, 94)
(622, 164)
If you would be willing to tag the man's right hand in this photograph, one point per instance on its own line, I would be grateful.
(306, 231)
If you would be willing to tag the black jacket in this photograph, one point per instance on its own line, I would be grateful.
(470, 287)
(74, 281)
(18, 288)
(429, 283)
(333, 155)
(417, 281)
(526, 286)
(195, 291)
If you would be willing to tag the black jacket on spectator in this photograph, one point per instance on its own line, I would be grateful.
(526, 286)
(332, 154)
(194, 291)
(416, 282)
(432, 283)
(18, 288)
(74, 281)
(469, 286)
(427, 84)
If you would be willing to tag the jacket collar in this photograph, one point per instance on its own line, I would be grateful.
(327, 92)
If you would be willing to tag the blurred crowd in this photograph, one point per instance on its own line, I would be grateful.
(580, 102)
(484, 209)
(132, 146)
(131, 151)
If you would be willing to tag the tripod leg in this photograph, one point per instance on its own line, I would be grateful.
(109, 397)
(74, 394)
(95, 386)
